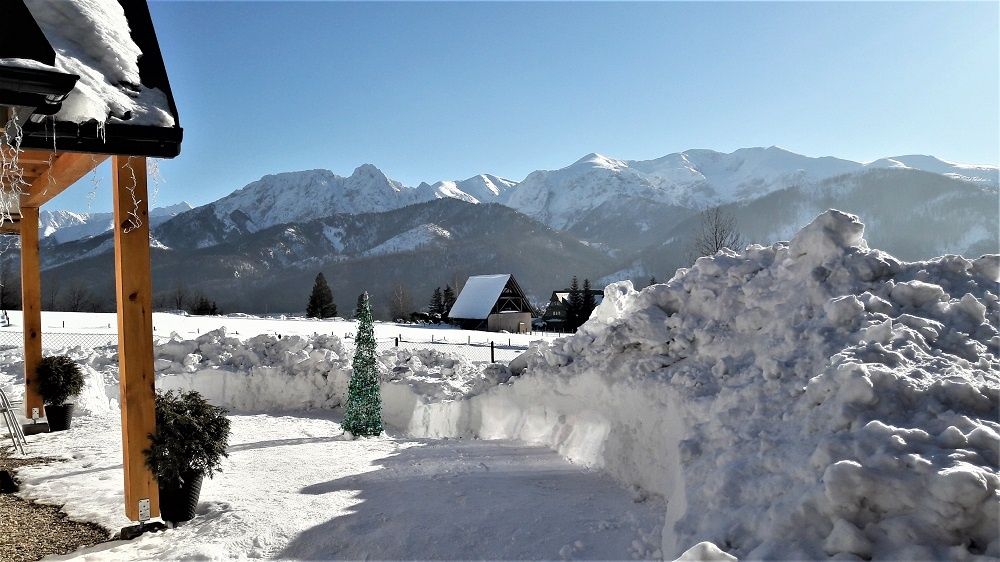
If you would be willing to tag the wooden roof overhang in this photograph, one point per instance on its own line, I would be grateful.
(49, 156)
(38, 93)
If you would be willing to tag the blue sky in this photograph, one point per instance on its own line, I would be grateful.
(430, 91)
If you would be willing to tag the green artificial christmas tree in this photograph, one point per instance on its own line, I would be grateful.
(363, 415)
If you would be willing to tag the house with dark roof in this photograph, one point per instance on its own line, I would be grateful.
(554, 316)
(492, 302)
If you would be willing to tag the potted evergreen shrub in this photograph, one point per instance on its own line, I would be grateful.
(59, 380)
(190, 441)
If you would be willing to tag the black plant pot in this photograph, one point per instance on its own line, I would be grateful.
(178, 504)
(60, 417)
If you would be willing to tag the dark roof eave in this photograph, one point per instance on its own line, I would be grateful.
(40, 90)
(116, 138)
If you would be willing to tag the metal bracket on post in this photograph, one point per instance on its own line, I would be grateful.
(143, 510)
(134, 531)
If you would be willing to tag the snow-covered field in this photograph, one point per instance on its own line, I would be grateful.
(806, 400)
(244, 326)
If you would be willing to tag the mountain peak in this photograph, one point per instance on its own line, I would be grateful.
(369, 170)
(596, 160)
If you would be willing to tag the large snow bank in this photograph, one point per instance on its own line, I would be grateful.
(803, 400)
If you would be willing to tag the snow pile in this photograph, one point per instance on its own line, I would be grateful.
(91, 39)
(268, 373)
(420, 384)
(99, 396)
(804, 400)
(264, 373)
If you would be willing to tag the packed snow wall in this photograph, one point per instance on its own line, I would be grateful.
(808, 399)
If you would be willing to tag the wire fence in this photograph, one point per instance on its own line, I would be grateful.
(500, 350)
(476, 352)
(54, 341)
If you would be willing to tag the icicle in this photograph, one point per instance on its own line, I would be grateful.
(155, 178)
(95, 183)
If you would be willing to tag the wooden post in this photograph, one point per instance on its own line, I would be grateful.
(31, 306)
(133, 291)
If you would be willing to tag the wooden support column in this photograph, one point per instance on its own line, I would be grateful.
(31, 307)
(133, 290)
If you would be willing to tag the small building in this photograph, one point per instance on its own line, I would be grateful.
(492, 302)
(554, 316)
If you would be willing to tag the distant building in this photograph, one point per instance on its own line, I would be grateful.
(494, 303)
(555, 313)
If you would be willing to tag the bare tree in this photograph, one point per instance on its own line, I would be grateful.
(179, 295)
(399, 303)
(77, 298)
(50, 292)
(10, 286)
(717, 230)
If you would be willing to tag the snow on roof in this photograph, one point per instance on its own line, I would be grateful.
(91, 38)
(478, 296)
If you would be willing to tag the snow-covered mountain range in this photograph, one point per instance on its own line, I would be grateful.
(637, 215)
(65, 226)
(698, 179)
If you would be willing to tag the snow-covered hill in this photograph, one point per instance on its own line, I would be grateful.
(65, 226)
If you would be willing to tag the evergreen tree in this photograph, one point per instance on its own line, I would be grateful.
(589, 302)
(437, 303)
(652, 281)
(574, 306)
(359, 305)
(321, 303)
(204, 306)
(449, 299)
(363, 413)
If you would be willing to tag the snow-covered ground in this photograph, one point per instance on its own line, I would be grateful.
(805, 400)
(244, 326)
(294, 487)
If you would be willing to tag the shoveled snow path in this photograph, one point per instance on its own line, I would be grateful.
(293, 487)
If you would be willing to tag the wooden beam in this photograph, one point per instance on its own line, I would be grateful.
(66, 169)
(133, 289)
(31, 305)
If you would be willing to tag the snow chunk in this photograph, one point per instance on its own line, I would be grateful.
(705, 552)
(828, 235)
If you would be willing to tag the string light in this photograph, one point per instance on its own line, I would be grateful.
(363, 414)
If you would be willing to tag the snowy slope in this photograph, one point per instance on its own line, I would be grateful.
(983, 175)
(484, 188)
(65, 226)
(418, 237)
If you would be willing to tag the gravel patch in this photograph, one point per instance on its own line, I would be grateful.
(30, 531)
